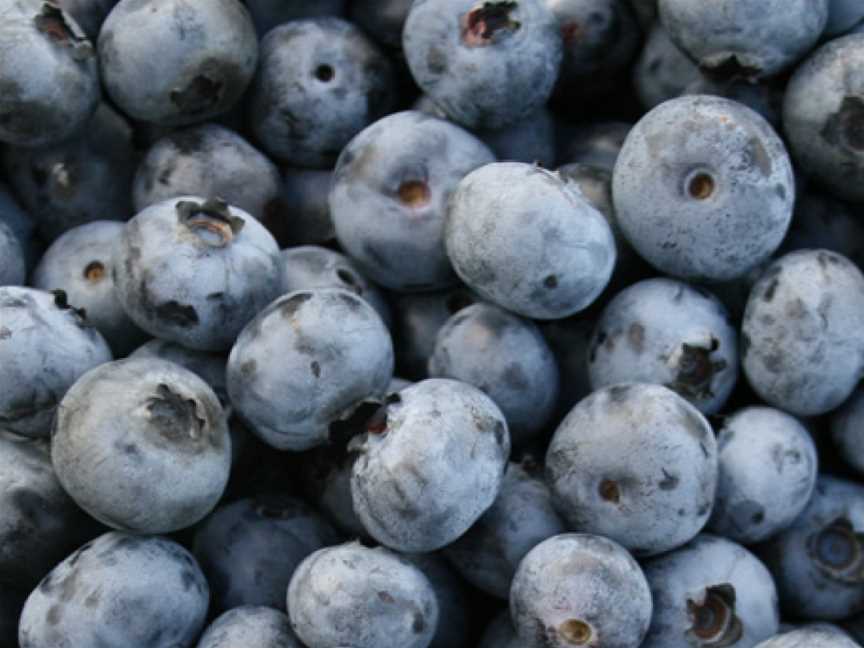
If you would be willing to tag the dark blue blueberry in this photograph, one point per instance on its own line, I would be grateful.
(595, 143)
(267, 14)
(532, 140)
(454, 603)
(301, 214)
(662, 71)
(822, 222)
(13, 264)
(765, 98)
(844, 16)
(22, 226)
(381, 19)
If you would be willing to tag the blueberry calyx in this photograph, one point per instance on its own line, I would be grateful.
(199, 96)
(714, 623)
(836, 550)
(729, 67)
(696, 370)
(61, 301)
(52, 22)
(482, 24)
(211, 221)
(176, 417)
(845, 128)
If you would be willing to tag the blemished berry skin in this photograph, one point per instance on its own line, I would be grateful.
(500, 633)
(597, 143)
(77, 181)
(822, 116)
(262, 627)
(506, 357)
(707, 202)
(711, 592)
(391, 188)
(375, 598)
(382, 20)
(49, 74)
(666, 332)
(172, 63)
(768, 469)
(521, 517)
(651, 504)
(45, 346)
(752, 39)
(843, 17)
(209, 367)
(565, 252)
(308, 360)
(847, 430)
(142, 445)
(80, 263)
(267, 14)
(454, 609)
(207, 160)
(13, 265)
(118, 590)
(808, 638)
(302, 214)
(431, 462)
(310, 266)
(662, 71)
(580, 589)
(195, 271)
(250, 548)
(516, 46)
(320, 82)
(801, 346)
(816, 562)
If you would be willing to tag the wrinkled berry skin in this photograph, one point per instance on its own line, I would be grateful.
(376, 598)
(822, 117)
(267, 14)
(207, 160)
(80, 263)
(651, 505)
(13, 265)
(319, 83)
(522, 238)
(174, 63)
(48, 72)
(800, 339)
(666, 332)
(847, 430)
(308, 360)
(119, 590)
(768, 467)
(662, 71)
(261, 627)
(521, 517)
(506, 357)
(516, 45)
(196, 271)
(808, 638)
(816, 562)
(752, 39)
(273, 533)
(431, 462)
(580, 589)
(142, 445)
(710, 575)
(707, 202)
(45, 345)
(390, 193)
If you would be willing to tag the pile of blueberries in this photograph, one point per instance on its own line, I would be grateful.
(449, 323)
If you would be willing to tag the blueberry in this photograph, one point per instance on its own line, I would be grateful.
(768, 467)
(823, 115)
(821, 221)
(21, 224)
(391, 189)
(843, 17)
(209, 367)
(801, 344)
(580, 590)
(521, 517)
(764, 98)
(487, 64)
(846, 430)
(707, 202)
(250, 548)
(310, 266)
(522, 238)
(267, 14)
(196, 271)
(381, 599)
(49, 74)
(207, 160)
(662, 71)
(319, 83)
(13, 265)
(570, 340)
(666, 332)
(80, 263)
(175, 63)
(142, 445)
(531, 140)
(506, 357)
(431, 462)
(261, 627)
(45, 345)
(816, 562)
(306, 361)
(89, 14)
(711, 592)
(302, 214)
(383, 20)
(500, 633)
(595, 143)
(636, 463)
(751, 39)
(119, 590)
(808, 638)
(326, 481)
(454, 610)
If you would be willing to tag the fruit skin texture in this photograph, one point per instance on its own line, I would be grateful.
(430, 463)
(381, 599)
(120, 590)
(576, 584)
(651, 505)
(808, 638)
(801, 345)
(519, 55)
(707, 201)
(262, 627)
(525, 240)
